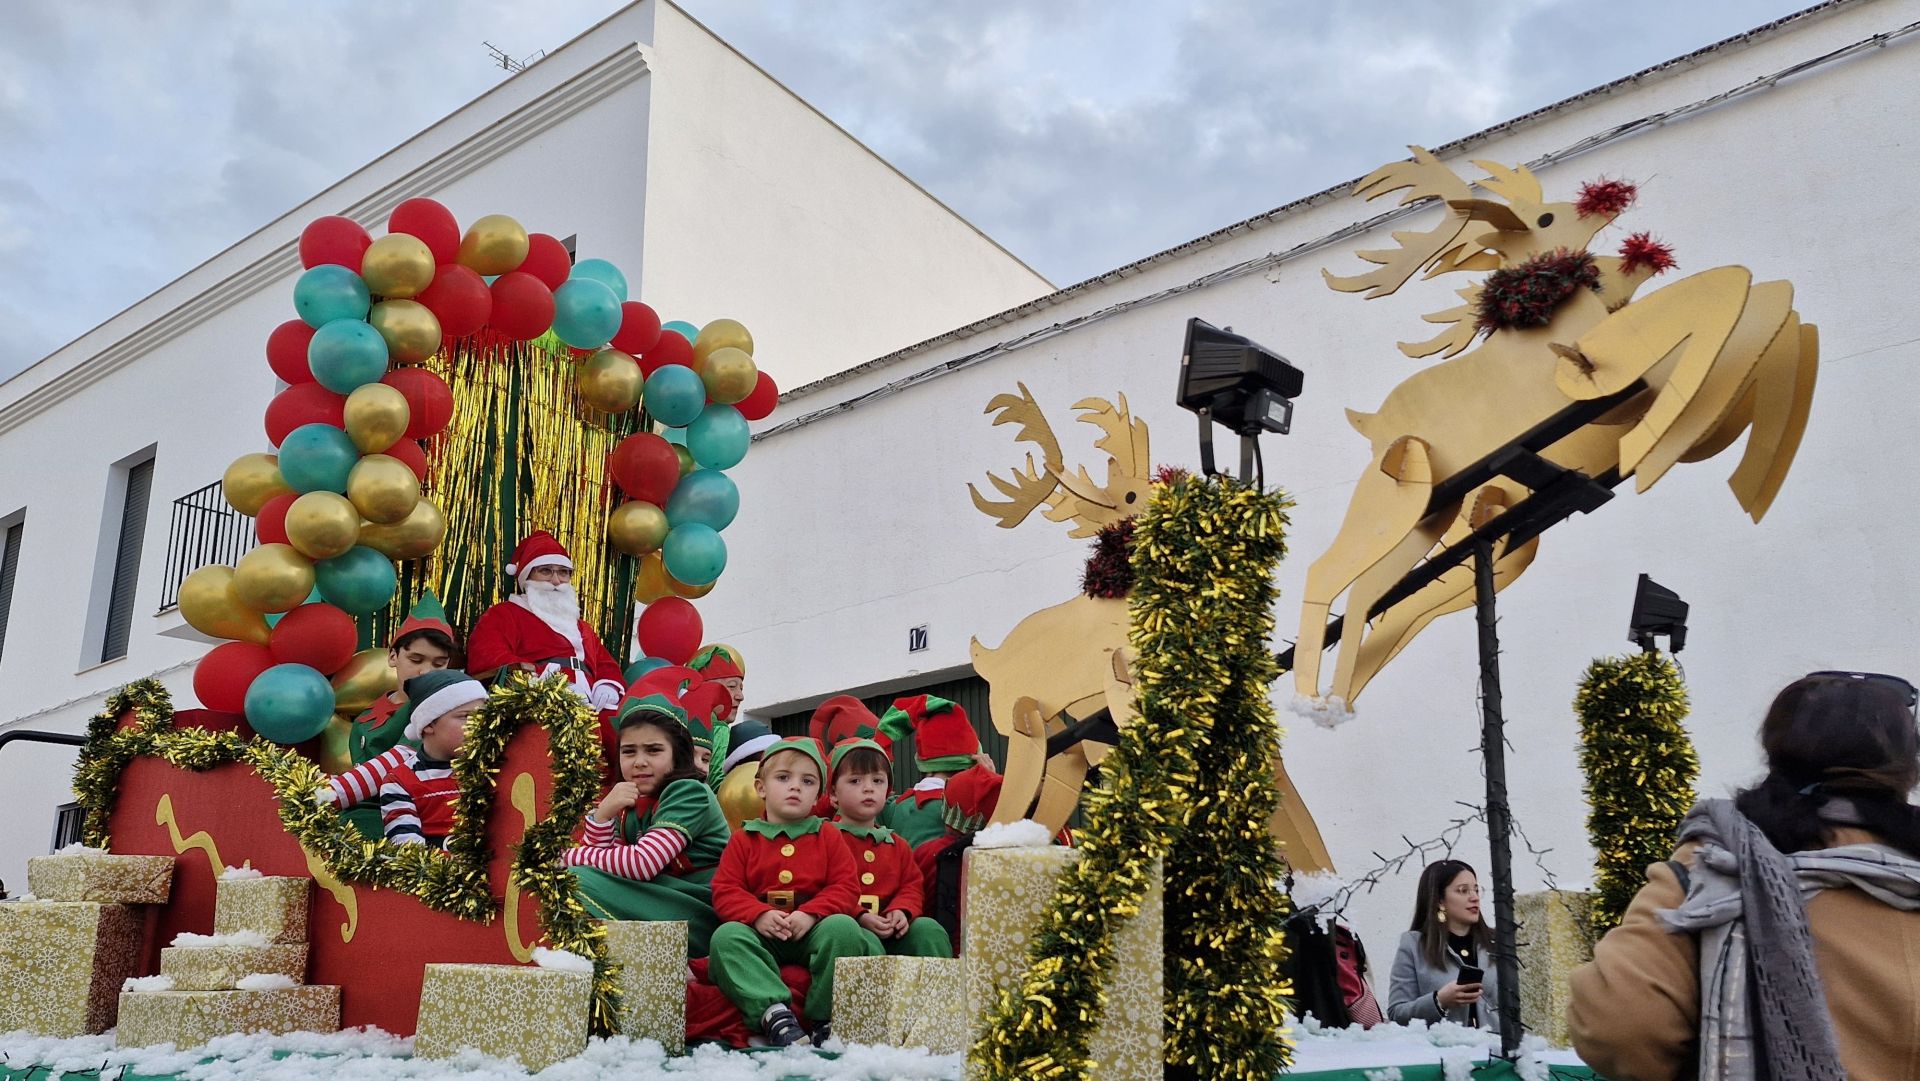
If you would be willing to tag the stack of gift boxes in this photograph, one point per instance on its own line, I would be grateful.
(64, 955)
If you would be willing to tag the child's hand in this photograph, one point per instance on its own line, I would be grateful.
(799, 923)
(618, 798)
(879, 925)
(773, 924)
(898, 921)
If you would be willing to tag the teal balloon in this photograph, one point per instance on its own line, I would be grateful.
(274, 618)
(685, 330)
(694, 553)
(599, 270)
(330, 292)
(289, 703)
(718, 438)
(359, 581)
(642, 666)
(676, 436)
(347, 354)
(586, 313)
(317, 458)
(706, 497)
(674, 396)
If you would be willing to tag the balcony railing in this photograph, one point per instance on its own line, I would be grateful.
(204, 529)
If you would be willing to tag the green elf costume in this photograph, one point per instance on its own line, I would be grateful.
(382, 726)
(944, 743)
(658, 861)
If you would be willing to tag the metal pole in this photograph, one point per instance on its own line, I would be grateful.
(1493, 747)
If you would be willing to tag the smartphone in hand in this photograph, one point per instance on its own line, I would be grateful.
(1470, 976)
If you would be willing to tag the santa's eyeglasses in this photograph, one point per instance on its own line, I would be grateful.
(1906, 688)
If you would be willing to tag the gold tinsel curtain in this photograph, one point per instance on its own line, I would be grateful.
(521, 453)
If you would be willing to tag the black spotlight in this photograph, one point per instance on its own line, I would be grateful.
(1657, 610)
(1228, 379)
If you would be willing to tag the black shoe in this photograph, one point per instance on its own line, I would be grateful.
(782, 1028)
(822, 1032)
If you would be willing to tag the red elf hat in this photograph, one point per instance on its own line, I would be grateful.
(943, 739)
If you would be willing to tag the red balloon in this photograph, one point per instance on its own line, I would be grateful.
(287, 351)
(671, 348)
(319, 636)
(221, 679)
(758, 405)
(645, 467)
(432, 223)
(333, 239)
(458, 297)
(547, 259)
(271, 525)
(411, 453)
(304, 403)
(639, 328)
(669, 629)
(522, 306)
(429, 401)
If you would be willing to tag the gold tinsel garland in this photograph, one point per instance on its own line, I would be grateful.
(1204, 556)
(453, 881)
(1640, 768)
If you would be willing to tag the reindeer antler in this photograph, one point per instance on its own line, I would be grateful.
(1092, 507)
(1425, 177)
(1515, 185)
(1030, 487)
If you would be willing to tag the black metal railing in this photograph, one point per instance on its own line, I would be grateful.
(204, 529)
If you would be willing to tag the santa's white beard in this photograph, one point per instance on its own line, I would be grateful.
(558, 606)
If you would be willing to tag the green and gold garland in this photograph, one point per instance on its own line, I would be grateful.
(1640, 768)
(1204, 557)
(453, 881)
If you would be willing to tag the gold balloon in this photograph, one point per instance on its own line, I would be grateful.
(366, 677)
(412, 332)
(321, 525)
(377, 416)
(610, 381)
(736, 797)
(692, 593)
(253, 479)
(686, 459)
(637, 527)
(418, 535)
(273, 578)
(210, 605)
(651, 581)
(336, 753)
(383, 489)
(397, 265)
(730, 375)
(494, 244)
(717, 335)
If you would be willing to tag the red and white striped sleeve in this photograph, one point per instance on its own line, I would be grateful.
(598, 834)
(362, 782)
(641, 860)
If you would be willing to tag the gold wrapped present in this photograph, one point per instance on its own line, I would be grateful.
(536, 1015)
(116, 880)
(191, 1018)
(220, 968)
(275, 907)
(1555, 939)
(62, 964)
(652, 956)
(1006, 891)
(901, 1002)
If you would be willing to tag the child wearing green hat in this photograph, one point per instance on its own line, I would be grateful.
(891, 885)
(944, 743)
(651, 846)
(424, 643)
(414, 780)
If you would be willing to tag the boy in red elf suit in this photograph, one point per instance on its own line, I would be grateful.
(944, 743)
(890, 881)
(787, 890)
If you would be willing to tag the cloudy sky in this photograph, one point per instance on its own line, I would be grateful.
(138, 139)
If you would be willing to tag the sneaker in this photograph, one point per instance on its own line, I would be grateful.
(782, 1027)
(822, 1032)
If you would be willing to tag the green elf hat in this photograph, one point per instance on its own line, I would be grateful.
(805, 745)
(652, 707)
(841, 748)
(718, 662)
(431, 694)
(426, 615)
(748, 738)
(943, 739)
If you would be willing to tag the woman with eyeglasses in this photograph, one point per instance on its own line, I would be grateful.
(1783, 938)
(1443, 970)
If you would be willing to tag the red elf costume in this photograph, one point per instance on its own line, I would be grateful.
(944, 743)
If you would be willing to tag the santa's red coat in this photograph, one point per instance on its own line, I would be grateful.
(508, 634)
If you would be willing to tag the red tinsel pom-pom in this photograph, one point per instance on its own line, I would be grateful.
(1606, 197)
(1167, 474)
(1641, 250)
(1109, 570)
(1527, 295)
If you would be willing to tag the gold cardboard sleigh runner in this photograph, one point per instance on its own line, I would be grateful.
(1692, 366)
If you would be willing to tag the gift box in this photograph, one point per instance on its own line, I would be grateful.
(900, 1002)
(220, 968)
(652, 956)
(1006, 890)
(275, 907)
(62, 964)
(1556, 937)
(191, 1018)
(117, 880)
(536, 1015)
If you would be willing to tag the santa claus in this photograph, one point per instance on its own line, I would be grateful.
(538, 630)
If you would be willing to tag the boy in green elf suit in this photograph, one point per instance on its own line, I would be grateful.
(944, 743)
(424, 643)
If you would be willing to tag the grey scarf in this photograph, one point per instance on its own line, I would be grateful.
(1763, 1014)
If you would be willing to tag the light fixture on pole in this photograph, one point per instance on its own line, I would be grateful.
(1228, 379)
(1657, 611)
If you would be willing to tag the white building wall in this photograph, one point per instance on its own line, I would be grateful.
(857, 526)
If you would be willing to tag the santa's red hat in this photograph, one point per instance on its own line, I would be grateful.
(539, 549)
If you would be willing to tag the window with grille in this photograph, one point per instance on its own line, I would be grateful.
(9, 569)
(67, 822)
(126, 561)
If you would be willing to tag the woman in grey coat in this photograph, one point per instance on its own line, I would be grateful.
(1448, 932)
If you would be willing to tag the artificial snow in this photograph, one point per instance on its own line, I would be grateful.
(561, 960)
(1329, 711)
(265, 981)
(232, 873)
(231, 938)
(148, 983)
(1317, 891)
(20, 897)
(78, 849)
(1025, 833)
(1456, 1049)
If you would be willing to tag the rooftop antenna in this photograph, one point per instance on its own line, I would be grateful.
(506, 60)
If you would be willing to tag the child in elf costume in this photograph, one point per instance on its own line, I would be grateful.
(944, 743)
(654, 841)
(415, 787)
(891, 884)
(425, 643)
(788, 890)
(970, 796)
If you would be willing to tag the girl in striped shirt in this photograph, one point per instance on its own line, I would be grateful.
(416, 788)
